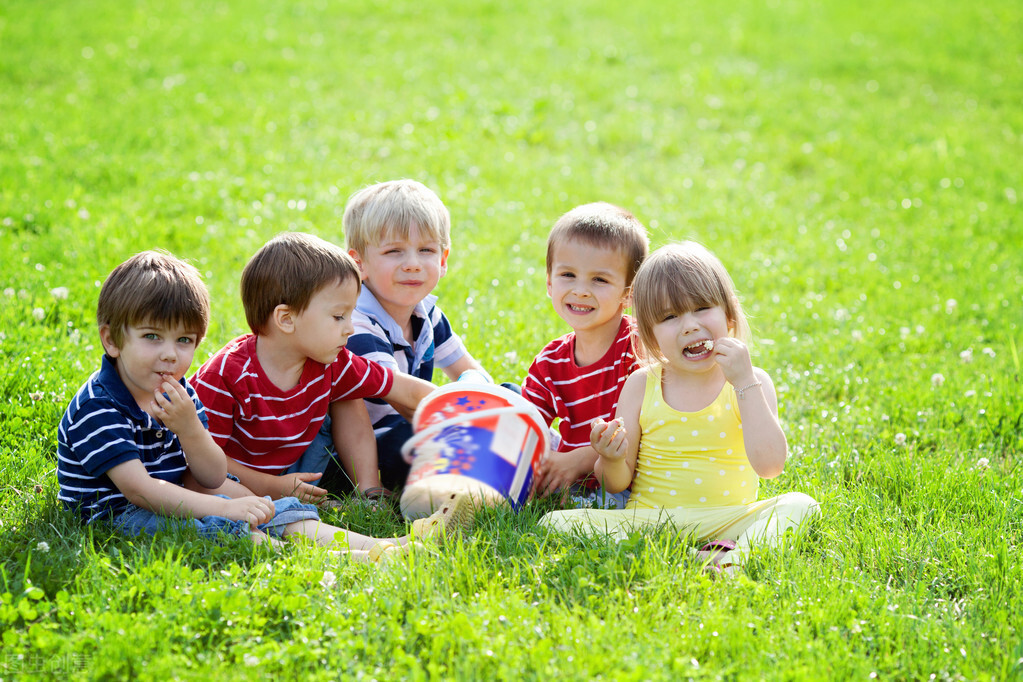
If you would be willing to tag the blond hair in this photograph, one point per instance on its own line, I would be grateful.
(289, 270)
(389, 210)
(680, 278)
(605, 226)
(153, 287)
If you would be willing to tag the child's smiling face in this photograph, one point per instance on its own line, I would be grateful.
(587, 284)
(402, 272)
(686, 339)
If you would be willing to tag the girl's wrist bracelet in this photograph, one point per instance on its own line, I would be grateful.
(741, 392)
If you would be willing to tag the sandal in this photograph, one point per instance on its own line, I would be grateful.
(455, 512)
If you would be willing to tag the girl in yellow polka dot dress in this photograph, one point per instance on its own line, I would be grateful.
(697, 427)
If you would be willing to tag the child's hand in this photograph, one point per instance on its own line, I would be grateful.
(733, 358)
(175, 409)
(253, 510)
(609, 439)
(558, 471)
(297, 485)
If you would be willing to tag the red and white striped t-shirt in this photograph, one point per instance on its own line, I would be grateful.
(558, 387)
(268, 429)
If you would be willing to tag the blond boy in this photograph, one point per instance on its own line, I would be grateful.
(399, 234)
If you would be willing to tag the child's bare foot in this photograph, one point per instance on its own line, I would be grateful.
(383, 553)
(456, 512)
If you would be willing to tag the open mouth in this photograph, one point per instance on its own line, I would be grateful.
(580, 308)
(698, 349)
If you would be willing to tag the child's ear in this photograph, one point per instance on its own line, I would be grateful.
(358, 261)
(627, 297)
(107, 339)
(444, 261)
(283, 317)
(550, 293)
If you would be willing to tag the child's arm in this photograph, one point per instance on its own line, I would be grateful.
(406, 392)
(617, 452)
(175, 410)
(167, 499)
(354, 442)
(463, 364)
(286, 485)
(766, 447)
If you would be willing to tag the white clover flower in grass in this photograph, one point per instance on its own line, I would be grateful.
(950, 305)
(982, 463)
(966, 356)
(989, 352)
(937, 379)
(9, 292)
(900, 439)
(511, 357)
(39, 314)
(59, 293)
(328, 580)
(43, 547)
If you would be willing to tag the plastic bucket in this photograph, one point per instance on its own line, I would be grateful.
(472, 438)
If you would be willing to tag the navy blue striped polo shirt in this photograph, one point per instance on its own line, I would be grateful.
(103, 427)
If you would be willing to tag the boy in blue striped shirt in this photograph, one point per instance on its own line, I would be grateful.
(399, 234)
(136, 425)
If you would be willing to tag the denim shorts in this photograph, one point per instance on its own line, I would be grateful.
(597, 498)
(136, 520)
(318, 454)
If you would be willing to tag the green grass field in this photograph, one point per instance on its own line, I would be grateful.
(855, 165)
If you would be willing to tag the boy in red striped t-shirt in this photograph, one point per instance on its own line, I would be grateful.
(268, 394)
(593, 252)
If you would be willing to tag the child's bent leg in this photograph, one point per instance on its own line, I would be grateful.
(613, 522)
(320, 451)
(767, 526)
(393, 467)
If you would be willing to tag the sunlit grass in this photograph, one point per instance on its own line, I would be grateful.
(855, 165)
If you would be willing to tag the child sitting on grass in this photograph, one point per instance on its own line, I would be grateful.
(593, 252)
(697, 428)
(399, 233)
(131, 431)
(268, 393)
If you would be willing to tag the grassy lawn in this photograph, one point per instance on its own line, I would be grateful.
(855, 165)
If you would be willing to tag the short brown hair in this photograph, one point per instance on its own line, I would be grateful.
(289, 270)
(154, 287)
(679, 278)
(605, 226)
(391, 208)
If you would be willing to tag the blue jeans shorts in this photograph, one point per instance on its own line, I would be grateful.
(136, 520)
(582, 498)
(319, 452)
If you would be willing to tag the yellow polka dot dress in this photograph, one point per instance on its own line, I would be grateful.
(691, 459)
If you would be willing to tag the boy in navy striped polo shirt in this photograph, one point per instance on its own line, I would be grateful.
(399, 233)
(593, 252)
(133, 429)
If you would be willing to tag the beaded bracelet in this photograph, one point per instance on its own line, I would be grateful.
(741, 392)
